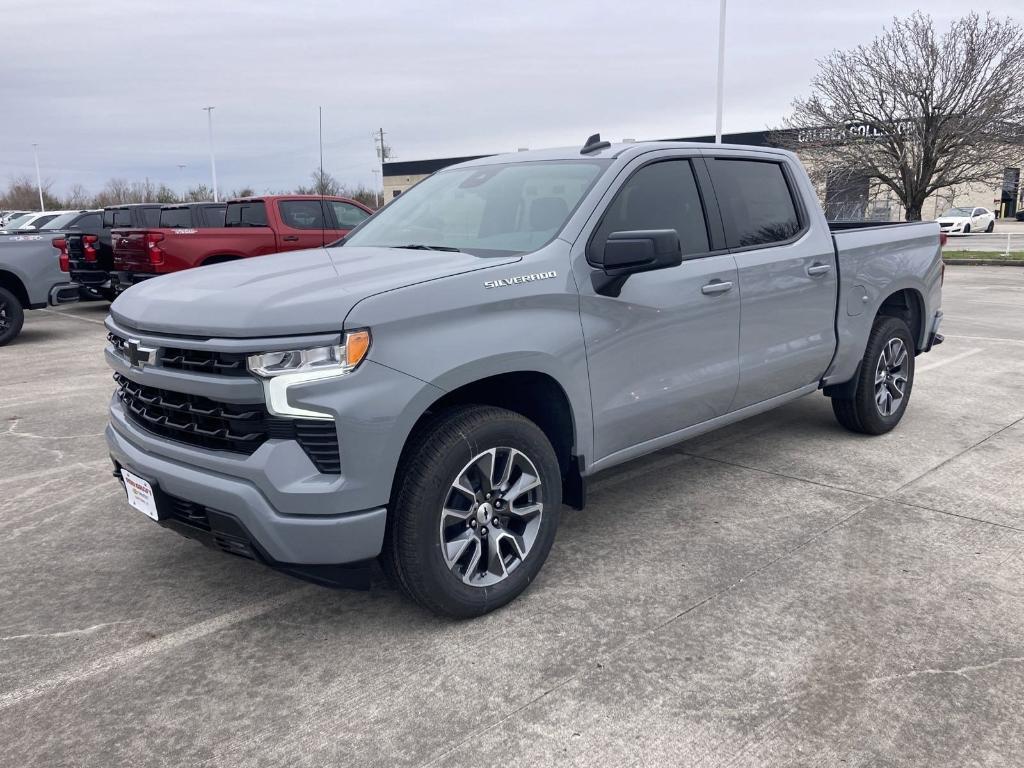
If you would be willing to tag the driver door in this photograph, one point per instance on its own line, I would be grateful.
(663, 354)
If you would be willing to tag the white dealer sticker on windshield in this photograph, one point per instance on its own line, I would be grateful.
(140, 494)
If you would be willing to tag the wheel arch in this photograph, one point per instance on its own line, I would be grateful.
(539, 397)
(908, 305)
(219, 258)
(13, 283)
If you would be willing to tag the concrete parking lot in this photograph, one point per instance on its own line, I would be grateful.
(778, 593)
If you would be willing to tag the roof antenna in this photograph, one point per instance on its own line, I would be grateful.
(594, 144)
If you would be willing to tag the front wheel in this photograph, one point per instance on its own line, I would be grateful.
(991, 226)
(884, 382)
(12, 316)
(967, 229)
(474, 511)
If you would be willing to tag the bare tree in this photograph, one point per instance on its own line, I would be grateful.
(198, 194)
(23, 195)
(918, 110)
(323, 184)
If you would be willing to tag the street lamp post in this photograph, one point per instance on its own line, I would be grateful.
(376, 185)
(213, 161)
(721, 73)
(39, 178)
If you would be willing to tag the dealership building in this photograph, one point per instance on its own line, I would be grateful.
(844, 196)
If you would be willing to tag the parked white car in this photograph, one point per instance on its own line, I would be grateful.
(964, 220)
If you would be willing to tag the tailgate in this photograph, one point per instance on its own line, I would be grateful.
(130, 252)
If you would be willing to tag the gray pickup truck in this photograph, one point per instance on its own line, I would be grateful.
(31, 265)
(429, 391)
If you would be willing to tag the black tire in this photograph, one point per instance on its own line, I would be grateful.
(12, 316)
(991, 226)
(861, 413)
(967, 229)
(436, 457)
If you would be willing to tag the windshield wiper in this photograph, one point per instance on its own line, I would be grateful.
(421, 247)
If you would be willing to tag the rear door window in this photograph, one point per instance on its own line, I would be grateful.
(756, 202)
(302, 214)
(251, 213)
(662, 195)
(176, 218)
(214, 215)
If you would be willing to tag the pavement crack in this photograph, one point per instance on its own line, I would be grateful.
(67, 632)
(963, 672)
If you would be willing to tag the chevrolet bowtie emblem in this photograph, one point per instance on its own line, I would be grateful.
(139, 355)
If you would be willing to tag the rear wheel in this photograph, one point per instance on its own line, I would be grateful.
(474, 512)
(12, 316)
(884, 382)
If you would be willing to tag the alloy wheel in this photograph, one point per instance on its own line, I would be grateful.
(891, 374)
(491, 516)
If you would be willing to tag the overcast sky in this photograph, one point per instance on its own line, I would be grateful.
(116, 88)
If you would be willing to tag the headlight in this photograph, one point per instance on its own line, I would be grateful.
(280, 370)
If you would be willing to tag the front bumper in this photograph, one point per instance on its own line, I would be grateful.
(240, 520)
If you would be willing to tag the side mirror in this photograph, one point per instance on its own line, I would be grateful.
(628, 253)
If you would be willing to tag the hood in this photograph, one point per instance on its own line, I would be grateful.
(953, 219)
(282, 294)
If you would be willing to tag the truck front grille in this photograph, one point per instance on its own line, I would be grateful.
(242, 429)
(221, 363)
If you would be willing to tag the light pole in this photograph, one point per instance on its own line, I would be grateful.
(181, 177)
(39, 179)
(721, 73)
(213, 162)
(376, 185)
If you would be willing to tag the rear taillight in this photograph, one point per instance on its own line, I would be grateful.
(156, 256)
(62, 245)
(89, 247)
(943, 238)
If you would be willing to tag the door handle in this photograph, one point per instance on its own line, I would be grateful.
(818, 269)
(291, 238)
(715, 286)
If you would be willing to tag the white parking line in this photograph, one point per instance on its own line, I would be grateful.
(946, 360)
(73, 317)
(141, 652)
(985, 338)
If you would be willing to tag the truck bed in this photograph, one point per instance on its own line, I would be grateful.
(874, 261)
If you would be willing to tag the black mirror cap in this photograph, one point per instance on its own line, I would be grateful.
(629, 252)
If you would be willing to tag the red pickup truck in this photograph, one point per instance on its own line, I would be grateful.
(253, 226)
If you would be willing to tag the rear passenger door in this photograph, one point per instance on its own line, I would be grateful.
(787, 276)
(662, 354)
(303, 224)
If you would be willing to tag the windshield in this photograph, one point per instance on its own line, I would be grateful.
(485, 210)
(959, 212)
(17, 221)
(61, 221)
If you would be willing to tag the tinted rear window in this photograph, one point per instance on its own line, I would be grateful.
(150, 216)
(214, 215)
(756, 202)
(117, 217)
(176, 218)
(247, 214)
